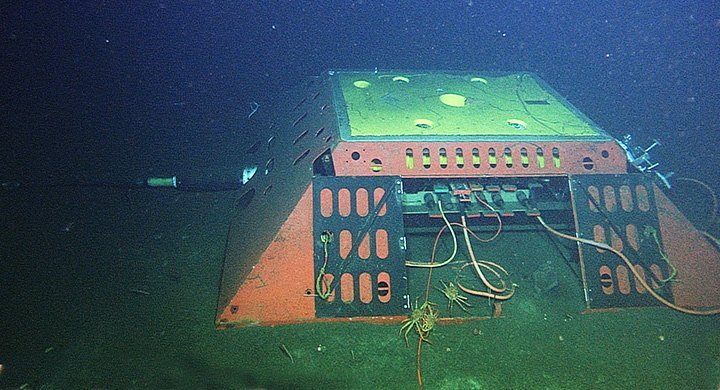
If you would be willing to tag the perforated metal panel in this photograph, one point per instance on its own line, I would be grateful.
(619, 210)
(366, 257)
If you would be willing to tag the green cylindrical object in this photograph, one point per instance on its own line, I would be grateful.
(162, 181)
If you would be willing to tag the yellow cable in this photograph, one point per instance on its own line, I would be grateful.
(649, 230)
(477, 266)
(325, 238)
(455, 246)
(638, 277)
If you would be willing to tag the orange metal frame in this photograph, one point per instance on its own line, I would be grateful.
(280, 288)
(268, 278)
(511, 158)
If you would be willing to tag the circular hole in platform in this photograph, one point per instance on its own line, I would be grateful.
(517, 124)
(362, 84)
(424, 123)
(453, 100)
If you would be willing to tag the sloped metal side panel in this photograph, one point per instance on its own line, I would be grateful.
(303, 126)
(619, 210)
(364, 261)
(695, 257)
(278, 289)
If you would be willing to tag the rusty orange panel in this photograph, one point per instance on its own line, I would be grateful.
(417, 159)
(364, 247)
(365, 286)
(658, 276)
(377, 195)
(599, 236)
(638, 286)
(381, 244)
(697, 261)
(631, 234)
(275, 291)
(623, 279)
(615, 241)
(626, 201)
(362, 202)
(609, 196)
(608, 285)
(347, 292)
(344, 203)
(595, 194)
(345, 243)
(326, 202)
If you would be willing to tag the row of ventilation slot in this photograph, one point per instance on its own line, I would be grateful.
(623, 277)
(608, 236)
(365, 287)
(624, 193)
(492, 158)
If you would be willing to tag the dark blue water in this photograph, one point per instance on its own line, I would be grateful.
(83, 81)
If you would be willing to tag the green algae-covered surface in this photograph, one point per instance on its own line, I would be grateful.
(455, 104)
(72, 321)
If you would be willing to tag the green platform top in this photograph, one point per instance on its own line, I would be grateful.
(454, 105)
